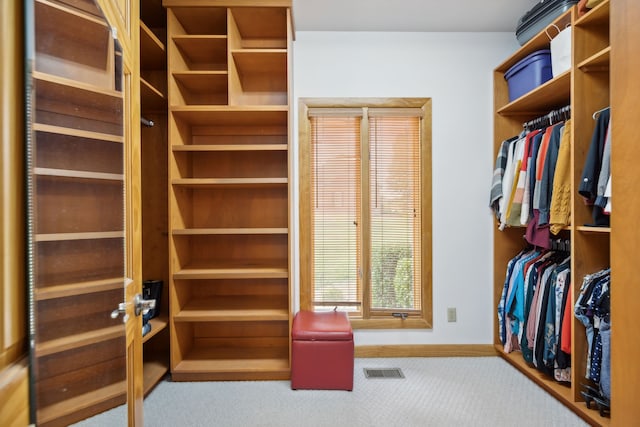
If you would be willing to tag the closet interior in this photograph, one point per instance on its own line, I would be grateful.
(581, 93)
(215, 88)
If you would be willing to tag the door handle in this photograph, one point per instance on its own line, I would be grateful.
(140, 306)
(122, 309)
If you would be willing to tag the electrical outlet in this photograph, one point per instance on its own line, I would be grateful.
(451, 314)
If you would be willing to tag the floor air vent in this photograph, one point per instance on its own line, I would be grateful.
(383, 373)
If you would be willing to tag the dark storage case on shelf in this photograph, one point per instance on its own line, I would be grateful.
(539, 17)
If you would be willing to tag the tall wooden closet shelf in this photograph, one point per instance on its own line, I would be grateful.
(153, 156)
(585, 87)
(229, 138)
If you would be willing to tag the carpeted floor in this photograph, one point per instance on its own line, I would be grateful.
(483, 391)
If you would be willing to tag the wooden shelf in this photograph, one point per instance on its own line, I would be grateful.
(238, 309)
(227, 363)
(88, 404)
(261, 61)
(597, 62)
(59, 237)
(39, 127)
(64, 173)
(201, 87)
(56, 87)
(230, 147)
(215, 81)
(84, 59)
(154, 371)
(231, 369)
(151, 99)
(88, 6)
(195, 20)
(208, 315)
(202, 52)
(221, 231)
(230, 182)
(153, 55)
(232, 116)
(205, 360)
(552, 94)
(158, 324)
(258, 76)
(262, 69)
(584, 228)
(64, 22)
(259, 27)
(81, 288)
(79, 340)
(67, 103)
(231, 272)
(598, 16)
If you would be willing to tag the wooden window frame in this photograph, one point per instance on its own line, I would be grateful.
(424, 319)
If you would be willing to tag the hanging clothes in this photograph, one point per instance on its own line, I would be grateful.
(560, 208)
(588, 188)
(503, 297)
(527, 204)
(592, 309)
(496, 196)
(546, 183)
(538, 228)
(525, 179)
(515, 212)
(531, 310)
(605, 172)
(512, 173)
(607, 194)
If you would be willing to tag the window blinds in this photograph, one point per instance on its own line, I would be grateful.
(394, 211)
(366, 219)
(336, 207)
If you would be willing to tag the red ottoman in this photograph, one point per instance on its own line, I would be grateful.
(322, 351)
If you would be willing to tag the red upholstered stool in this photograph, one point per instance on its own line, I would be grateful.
(322, 351)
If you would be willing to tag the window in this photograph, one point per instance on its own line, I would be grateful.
(365, 209)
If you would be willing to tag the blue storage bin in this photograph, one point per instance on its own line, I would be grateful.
(529, 73)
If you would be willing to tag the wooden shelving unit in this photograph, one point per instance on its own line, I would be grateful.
(586, 88)
(76, 236)
(229, 178)
(153, 93)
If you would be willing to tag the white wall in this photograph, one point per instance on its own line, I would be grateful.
(456, 71)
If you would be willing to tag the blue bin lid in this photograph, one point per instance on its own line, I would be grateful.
(526, 61)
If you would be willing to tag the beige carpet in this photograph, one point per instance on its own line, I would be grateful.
(435, 392)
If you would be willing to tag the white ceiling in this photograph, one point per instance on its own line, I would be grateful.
(409, 15)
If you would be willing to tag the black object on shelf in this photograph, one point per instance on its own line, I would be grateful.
(152, 289)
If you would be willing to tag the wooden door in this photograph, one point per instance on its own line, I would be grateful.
(123, 16)
(83, 221)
